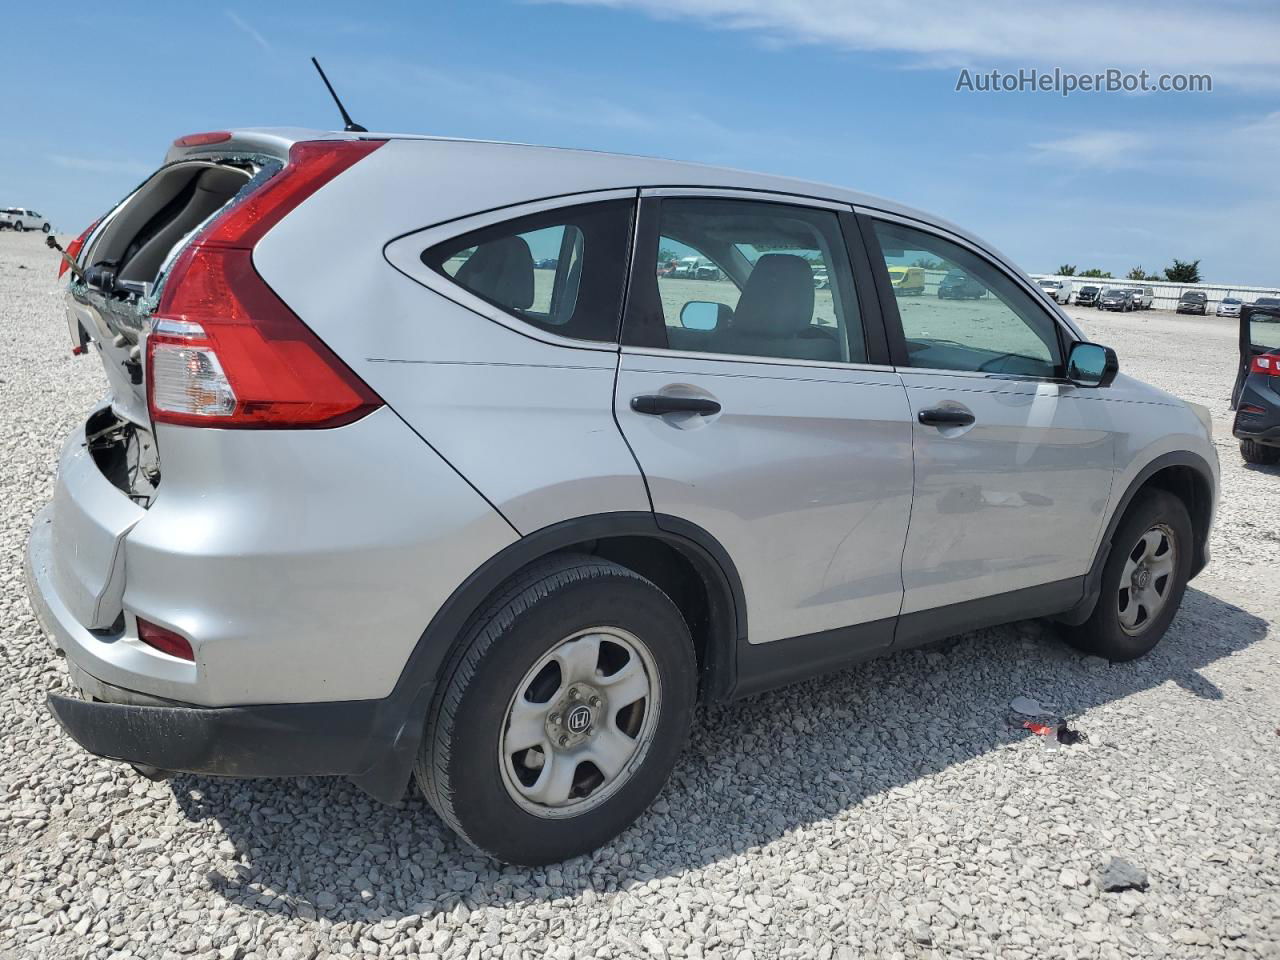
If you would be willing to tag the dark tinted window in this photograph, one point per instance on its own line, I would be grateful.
(562, 270)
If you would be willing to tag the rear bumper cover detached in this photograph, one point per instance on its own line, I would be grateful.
(361, 739)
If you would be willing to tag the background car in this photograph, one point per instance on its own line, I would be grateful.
(1087, 296)
(1257, 392)
(1193, 301)
(1267, 302)
(1143, 297)
(1229, 307)
(1116, 298)
(958, 285)
(20, 219)
(906, 281)
(1060, 290)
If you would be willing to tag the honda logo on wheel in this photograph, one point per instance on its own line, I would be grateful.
(579, 719)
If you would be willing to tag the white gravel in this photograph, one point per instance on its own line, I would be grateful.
(894, 810)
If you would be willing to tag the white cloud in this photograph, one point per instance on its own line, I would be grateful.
(1236, 42)
(132, 168)
(253, 34)
(1113, 149)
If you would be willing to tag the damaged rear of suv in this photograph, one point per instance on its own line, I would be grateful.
(418, 462)
(235, 446)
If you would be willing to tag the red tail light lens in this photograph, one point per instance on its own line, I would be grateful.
(1268, 363)
(166, 641)
(225, 351)
(75, 246)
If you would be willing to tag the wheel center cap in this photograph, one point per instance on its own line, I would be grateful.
(1142, 578)
(578, 719)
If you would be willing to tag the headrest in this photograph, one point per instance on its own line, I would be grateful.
(778, 298)
(502, 271)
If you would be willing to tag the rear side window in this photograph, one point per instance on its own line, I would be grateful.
(561, 270)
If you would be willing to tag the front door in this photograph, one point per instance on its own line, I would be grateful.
(1013, 465)
(757, 409)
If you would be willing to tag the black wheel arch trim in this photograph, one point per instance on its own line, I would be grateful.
(724, 588)
(1200, 556)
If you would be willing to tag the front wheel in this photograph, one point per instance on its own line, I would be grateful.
(1259, 453)
(1143, 580)
(45, 228)
(563, 713)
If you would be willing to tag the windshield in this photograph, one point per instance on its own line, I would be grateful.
(1114, 293)
(1050, 283)
(1230, 300)
(1193, 296)
(1088, 289)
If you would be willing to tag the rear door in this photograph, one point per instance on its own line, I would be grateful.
(1013, 464)
(761, 407)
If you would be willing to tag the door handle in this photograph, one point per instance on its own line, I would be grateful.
(657, 405)
(945, 417)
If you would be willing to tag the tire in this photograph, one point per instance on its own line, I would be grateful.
(1259, 453)
(487, 792)
(45, 228)
(1154, 518)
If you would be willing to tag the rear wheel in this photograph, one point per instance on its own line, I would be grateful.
(563, 714)
(1259, 453)
(1142, 582)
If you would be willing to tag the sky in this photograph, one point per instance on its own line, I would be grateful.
(860, 94)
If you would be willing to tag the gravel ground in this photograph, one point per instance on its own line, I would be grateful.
(897, 809)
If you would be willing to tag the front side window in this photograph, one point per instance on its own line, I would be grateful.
(561, 270)
(751, 278)
(991, 326)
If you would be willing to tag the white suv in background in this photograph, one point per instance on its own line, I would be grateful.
(1059, 290)
(429, 510)
(18, 218)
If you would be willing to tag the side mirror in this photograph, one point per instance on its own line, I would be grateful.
(1092, 365)
(704, 314)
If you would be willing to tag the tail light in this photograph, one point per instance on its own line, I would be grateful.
(166, 641)
(1268, 363)
(75, 246)
(224, 350)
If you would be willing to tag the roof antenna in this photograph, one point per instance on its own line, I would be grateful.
(351, 125)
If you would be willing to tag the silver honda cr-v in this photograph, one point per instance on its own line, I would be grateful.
(423, 456)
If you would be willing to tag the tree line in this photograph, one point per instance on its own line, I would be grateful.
(1182, 271)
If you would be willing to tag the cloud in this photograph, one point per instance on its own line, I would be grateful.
(257, 38)
(1095, 149)
(132, 168)
(1159, 35)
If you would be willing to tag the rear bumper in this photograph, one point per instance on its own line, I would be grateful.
(366, 740)
(371, 741)
(1244, 430)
